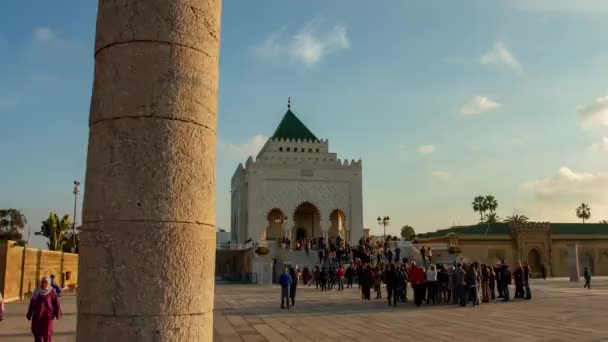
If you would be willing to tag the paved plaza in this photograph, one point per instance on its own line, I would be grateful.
(559, 311)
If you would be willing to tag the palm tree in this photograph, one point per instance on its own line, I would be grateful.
(492, 218)
(517, 219)
(479, 205)
(583, 212)
(491, 203)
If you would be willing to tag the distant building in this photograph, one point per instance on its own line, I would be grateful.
(549, 244)
(296, 187)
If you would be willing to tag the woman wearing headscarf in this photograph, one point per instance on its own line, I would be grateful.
(43, 308)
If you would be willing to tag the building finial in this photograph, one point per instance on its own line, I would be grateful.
(289, 103)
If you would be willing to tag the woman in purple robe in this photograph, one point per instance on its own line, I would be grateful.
(44, 307)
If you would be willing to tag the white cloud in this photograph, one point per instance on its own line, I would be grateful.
(426, 149)
(479, 105)
(309, 46)
(44, 34)
(570, 185)
(601, 145)
(441, 175)
(499, 55)
(245, 149)
(595, 113)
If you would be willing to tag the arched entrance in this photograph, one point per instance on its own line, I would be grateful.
(534, 261)
(301, 234)
(274, 230)
(307, 221)
(337, 226)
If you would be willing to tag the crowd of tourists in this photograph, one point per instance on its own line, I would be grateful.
(379, 270)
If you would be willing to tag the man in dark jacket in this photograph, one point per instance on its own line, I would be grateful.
(285, 281)
(390, 279)
(460, 285)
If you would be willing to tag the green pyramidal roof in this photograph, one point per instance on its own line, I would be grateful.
(292, 128)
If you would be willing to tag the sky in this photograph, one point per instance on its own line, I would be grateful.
(442, 101)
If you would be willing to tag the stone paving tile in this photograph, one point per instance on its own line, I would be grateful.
(559, 311)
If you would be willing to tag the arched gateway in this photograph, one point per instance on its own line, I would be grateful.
(296, 175)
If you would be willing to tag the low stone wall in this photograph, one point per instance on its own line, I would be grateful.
(21, 269)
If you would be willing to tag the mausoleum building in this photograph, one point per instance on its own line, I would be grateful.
(296, 187)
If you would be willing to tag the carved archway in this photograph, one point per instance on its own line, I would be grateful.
(275, 219)
(534, 260)
(338, 227)
(307, 218)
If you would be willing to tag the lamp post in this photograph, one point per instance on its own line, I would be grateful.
(76, 191)
(384, 221)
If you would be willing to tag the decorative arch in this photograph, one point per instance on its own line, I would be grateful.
(338, 226)
(275, 218)
(307, 221)
(534, 260)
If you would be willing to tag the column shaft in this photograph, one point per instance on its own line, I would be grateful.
(146, 268)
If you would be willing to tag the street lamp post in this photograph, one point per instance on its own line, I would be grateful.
(75, 192)
(384, 221)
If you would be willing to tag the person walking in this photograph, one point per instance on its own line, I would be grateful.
(390, 279)
(431, 285)
(416, 275)
(471, 283)
(505, 276)
(518, 275)
(1, 307)
(485, 284)
(460, 285)
(294, 274)
(350, 274)
(55, 287)
(423, 255)
(492, 283)
(340, 275)
(285, 281)
(44, 307)
(528, 294)
(587, 276)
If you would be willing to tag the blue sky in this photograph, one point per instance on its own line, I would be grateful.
(442, 100)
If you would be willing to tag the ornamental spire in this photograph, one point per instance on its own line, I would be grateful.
(289, 103)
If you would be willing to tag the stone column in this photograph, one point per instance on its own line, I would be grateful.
(148, 241)
(573, 262)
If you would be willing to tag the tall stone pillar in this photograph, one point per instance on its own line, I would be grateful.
(148, 241)
(573, 270)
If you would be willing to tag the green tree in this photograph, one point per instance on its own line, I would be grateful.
(491, 203)
(12, 222)
(604, 221)
(583, 212)
(408, 233)
(480, 205)
(517, 219)
(492, 218)
(54, 229)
